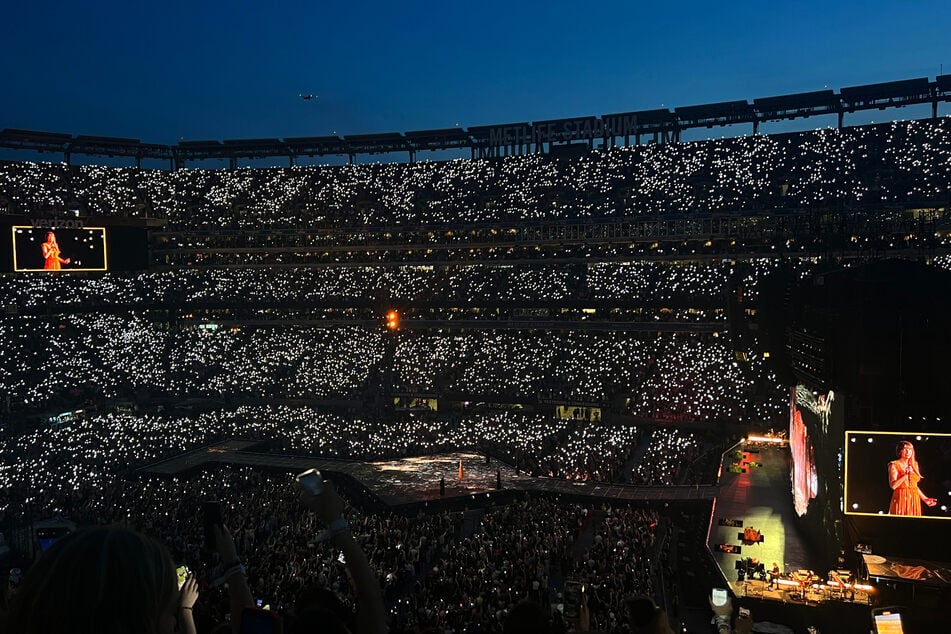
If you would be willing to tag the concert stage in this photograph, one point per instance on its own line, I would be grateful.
(754, 526)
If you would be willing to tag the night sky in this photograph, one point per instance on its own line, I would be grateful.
(175, 70)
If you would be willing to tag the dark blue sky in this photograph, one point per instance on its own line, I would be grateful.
(213, 70)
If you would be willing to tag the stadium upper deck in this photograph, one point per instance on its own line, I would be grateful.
(900, 165)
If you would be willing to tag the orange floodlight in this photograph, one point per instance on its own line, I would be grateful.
(393, 320)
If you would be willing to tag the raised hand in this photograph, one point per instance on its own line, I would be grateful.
(189, 592)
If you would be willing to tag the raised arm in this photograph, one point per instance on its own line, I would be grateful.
(371, 615)
(187, 597)
(235, 576)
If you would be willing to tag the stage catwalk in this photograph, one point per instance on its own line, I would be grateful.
(415, 480)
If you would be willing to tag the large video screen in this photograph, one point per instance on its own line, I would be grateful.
(898, 474)
(809, 417)
(72, 249)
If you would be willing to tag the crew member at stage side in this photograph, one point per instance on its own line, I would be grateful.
(903, 478)
(773, 575)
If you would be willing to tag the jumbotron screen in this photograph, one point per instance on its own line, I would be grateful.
(810, 416)
(898, 474)
(48, 250)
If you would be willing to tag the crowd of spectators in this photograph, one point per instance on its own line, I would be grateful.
(58, 361)
(573, 459)
(669, 456)
(659, 283)
(670, 377)
(289, 362)
(72, 341)
(519, 552)
(96, 448)
(880, 164)
(619, 563)
(434, 572)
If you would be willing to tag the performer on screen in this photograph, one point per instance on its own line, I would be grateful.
(903, 478)
(51, 253)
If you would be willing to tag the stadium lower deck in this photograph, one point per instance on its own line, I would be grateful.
(755, 493)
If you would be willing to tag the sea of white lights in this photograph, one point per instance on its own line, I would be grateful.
(896, 162)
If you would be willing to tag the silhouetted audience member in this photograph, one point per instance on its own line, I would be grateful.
(99, 580)
(527, 617)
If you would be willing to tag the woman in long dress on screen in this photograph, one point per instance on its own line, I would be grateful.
(51, 254)
(903, 478)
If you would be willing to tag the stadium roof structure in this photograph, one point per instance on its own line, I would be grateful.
(380, 143)
(315, 146)
(725, 113)
(658, 117)
(445, 139)
(492, 141)
(893, 93)
(803, 104)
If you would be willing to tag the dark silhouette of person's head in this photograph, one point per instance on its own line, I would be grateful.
(317, 609)
(102, 580)
(646, 617)
(527, 618)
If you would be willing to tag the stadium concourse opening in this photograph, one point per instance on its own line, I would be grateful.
(523, 372)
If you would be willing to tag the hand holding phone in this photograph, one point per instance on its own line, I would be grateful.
(887, 621)
(719, 597)
(572, 600)
(720, 603)
(320, 496)
(311, 481)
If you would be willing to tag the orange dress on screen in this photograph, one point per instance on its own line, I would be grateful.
(51, 253)
(905, 498)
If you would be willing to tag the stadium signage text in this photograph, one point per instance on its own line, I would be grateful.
(56, 223)
(584, 129)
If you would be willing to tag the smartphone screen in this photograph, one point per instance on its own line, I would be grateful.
(311, 481)
(572, 599)
(888, 623)
(46, 537)
(719, 597)
(47, 542)
(182, 573)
